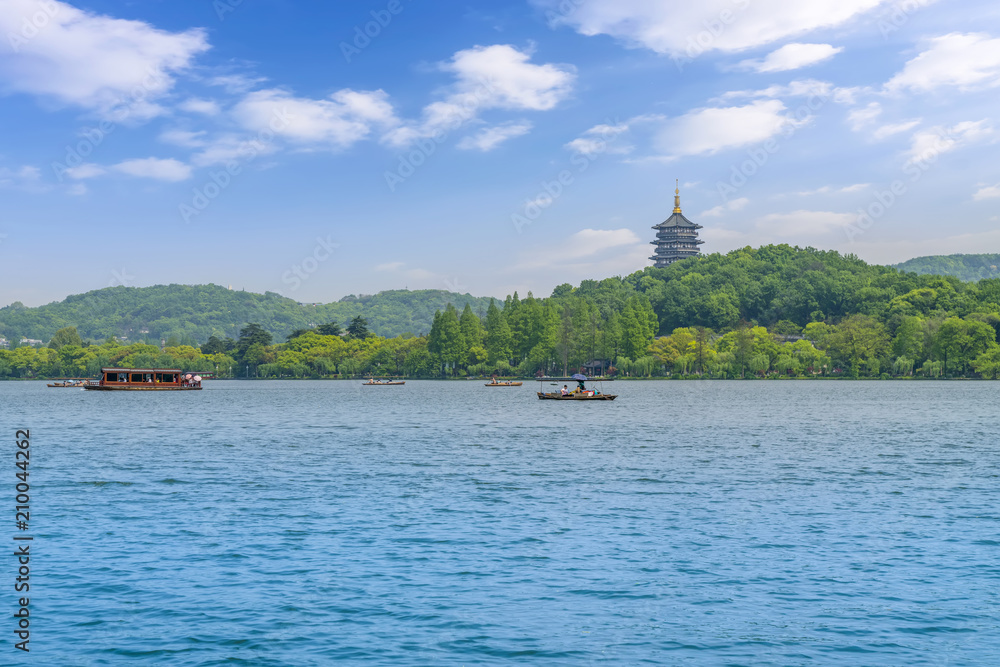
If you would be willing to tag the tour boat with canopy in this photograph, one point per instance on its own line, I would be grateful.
(578, 393)
(145, 379)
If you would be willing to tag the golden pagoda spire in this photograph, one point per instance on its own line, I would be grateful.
(677, 197)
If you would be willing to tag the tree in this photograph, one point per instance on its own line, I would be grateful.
(910, 338)
(786, 328)
(216, 345)
(987, 364)
(358, 328)
(250, 335)
(65, 336)
(859, 340)
(330, 329)
(498, 336)
(959, 342)
(472, 328)
(446, 338)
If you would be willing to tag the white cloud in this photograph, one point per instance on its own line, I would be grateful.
(824, 90)
(966, 61)
(720, 210)
(348, 116)
(800, 224)
(184, 138)
(894, 128)
(26, 178)
(236, 84)
(92, 61)
(588, 242)
(489, 77)
(86, 170)
(792, 56)
(206, 107)
(233, 148)
(860, 118)
(830, 190)
(989, 192)
(611, 251)
(389, 266)
(599, 139)
(489, 138)
(708, 131)
(162, 170)
(688, 29)
(927, 145)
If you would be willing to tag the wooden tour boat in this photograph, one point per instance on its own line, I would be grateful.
(580, 393)
(495, 383)
(145, 379)
(381, 383)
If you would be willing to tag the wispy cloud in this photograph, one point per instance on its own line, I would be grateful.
(490, 137)
(169, 170)
(792, 56)
(722, 209)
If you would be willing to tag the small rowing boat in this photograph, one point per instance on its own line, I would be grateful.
(69, 384)
(580, 396)
(381, 383)
(580, 393)
(494, 383)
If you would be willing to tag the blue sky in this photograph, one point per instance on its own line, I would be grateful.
(482, 147)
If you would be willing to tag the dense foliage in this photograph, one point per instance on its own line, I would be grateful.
(193, 313)
(964, 267)
(775, 311)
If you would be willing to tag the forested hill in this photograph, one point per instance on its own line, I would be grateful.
(192, 313)
(773, 283)
(964, 267)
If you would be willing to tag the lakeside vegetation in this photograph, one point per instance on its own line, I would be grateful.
(775, 311)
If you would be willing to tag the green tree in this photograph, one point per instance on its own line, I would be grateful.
(910, 338)
(66, 336)
(859, 341)
(987, 364)
(251, 335)
(333, 329)
(358, 328)
(959, 342)
(498, 336)
(472, 328)
(216, 345)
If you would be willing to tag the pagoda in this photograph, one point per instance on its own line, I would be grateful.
(676, 237)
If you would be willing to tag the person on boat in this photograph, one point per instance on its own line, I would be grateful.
(565, 390)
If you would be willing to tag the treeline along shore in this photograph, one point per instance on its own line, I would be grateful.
(770, 312)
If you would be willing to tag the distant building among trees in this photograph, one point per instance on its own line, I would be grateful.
(676, 237)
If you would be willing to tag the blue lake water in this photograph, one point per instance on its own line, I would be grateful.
(445, 523)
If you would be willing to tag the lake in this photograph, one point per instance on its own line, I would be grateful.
(445, 523)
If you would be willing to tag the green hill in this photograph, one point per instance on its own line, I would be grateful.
(192, 313)
(969, 268)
